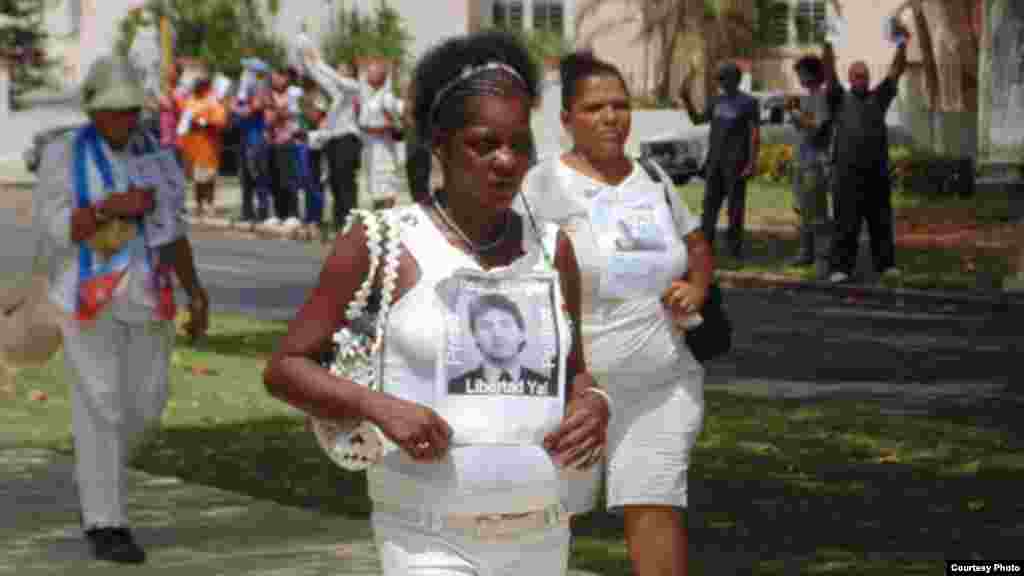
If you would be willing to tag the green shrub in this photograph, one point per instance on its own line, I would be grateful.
(919, 172)
(775, 163)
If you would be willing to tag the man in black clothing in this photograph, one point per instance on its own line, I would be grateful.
(733, 147)
(861, 180)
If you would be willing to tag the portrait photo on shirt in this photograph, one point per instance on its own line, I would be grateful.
(500, 377)
(639, 230)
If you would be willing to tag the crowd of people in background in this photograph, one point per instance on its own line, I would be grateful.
(842, 160)
(313, 125)
(302, 128)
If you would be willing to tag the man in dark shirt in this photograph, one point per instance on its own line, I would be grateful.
(812, 118)
(732, 151)
(861, 162)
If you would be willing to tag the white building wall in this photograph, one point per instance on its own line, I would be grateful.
(427, 21)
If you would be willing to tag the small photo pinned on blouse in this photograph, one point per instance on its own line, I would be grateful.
(639, 231)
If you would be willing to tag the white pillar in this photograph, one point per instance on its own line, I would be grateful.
(528, 14)
(5, 84)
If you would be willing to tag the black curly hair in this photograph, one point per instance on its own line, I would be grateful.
(579, 66)
(443, 64)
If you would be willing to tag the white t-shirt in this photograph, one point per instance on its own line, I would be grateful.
(377, 106)
(628, 242)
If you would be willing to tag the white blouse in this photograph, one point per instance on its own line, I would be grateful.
(628, 241)
(377, 106)
(471, 478)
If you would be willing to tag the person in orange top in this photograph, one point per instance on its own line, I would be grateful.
(201, 144)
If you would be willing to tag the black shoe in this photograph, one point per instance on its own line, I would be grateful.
(115, 545)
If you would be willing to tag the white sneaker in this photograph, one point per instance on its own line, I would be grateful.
(292, 223)
(272, 221)
(838, 277)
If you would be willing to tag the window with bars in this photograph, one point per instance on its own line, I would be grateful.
(810, 21)
(507, 14)
(548, 16)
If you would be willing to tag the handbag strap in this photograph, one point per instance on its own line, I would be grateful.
(659, 176)
(382, 241)
(655, 172)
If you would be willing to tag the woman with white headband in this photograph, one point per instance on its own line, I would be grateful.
(444, 504)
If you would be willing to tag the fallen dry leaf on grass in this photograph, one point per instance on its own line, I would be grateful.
(888, 458)
(38, 396)
(198, 370)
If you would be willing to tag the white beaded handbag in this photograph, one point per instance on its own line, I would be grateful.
(357, 445)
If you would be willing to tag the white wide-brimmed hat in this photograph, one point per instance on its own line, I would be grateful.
(112, 84)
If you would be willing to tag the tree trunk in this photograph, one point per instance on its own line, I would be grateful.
(931, 71)
(710, 58)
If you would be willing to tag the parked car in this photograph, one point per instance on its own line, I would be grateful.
(681, 152)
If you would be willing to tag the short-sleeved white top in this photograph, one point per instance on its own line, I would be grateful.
(621, 336)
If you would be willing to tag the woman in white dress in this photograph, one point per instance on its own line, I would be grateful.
(645, 270)
(445, 506)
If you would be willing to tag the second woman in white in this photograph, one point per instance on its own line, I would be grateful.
(645, 269)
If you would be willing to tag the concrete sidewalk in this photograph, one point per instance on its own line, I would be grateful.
(186, 529)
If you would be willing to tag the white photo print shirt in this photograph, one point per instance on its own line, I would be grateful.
(628, 241)
(472, 478)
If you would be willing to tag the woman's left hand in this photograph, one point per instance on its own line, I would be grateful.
(583, 432)
(684, 298)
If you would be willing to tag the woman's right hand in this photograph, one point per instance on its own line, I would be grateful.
(133, 203)
(416, 429)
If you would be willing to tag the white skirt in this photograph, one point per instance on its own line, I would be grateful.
(653, 431)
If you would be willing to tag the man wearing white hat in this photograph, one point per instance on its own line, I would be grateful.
(113, 248)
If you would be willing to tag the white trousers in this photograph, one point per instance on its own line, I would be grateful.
(380, 155)
(410, 550)
(118, 374)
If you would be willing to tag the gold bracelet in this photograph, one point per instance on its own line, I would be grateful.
(607, 398)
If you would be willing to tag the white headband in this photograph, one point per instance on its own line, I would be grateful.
(467, 73)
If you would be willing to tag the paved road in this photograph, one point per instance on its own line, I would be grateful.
(784, 341)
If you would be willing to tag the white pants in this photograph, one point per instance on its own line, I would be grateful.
(410, 550)
(118, 374)
(380, 155)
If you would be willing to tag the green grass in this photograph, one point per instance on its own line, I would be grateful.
(773, 197)
(777, 487)
(923, 268)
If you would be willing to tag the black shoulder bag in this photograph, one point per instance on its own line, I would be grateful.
(713, 337)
